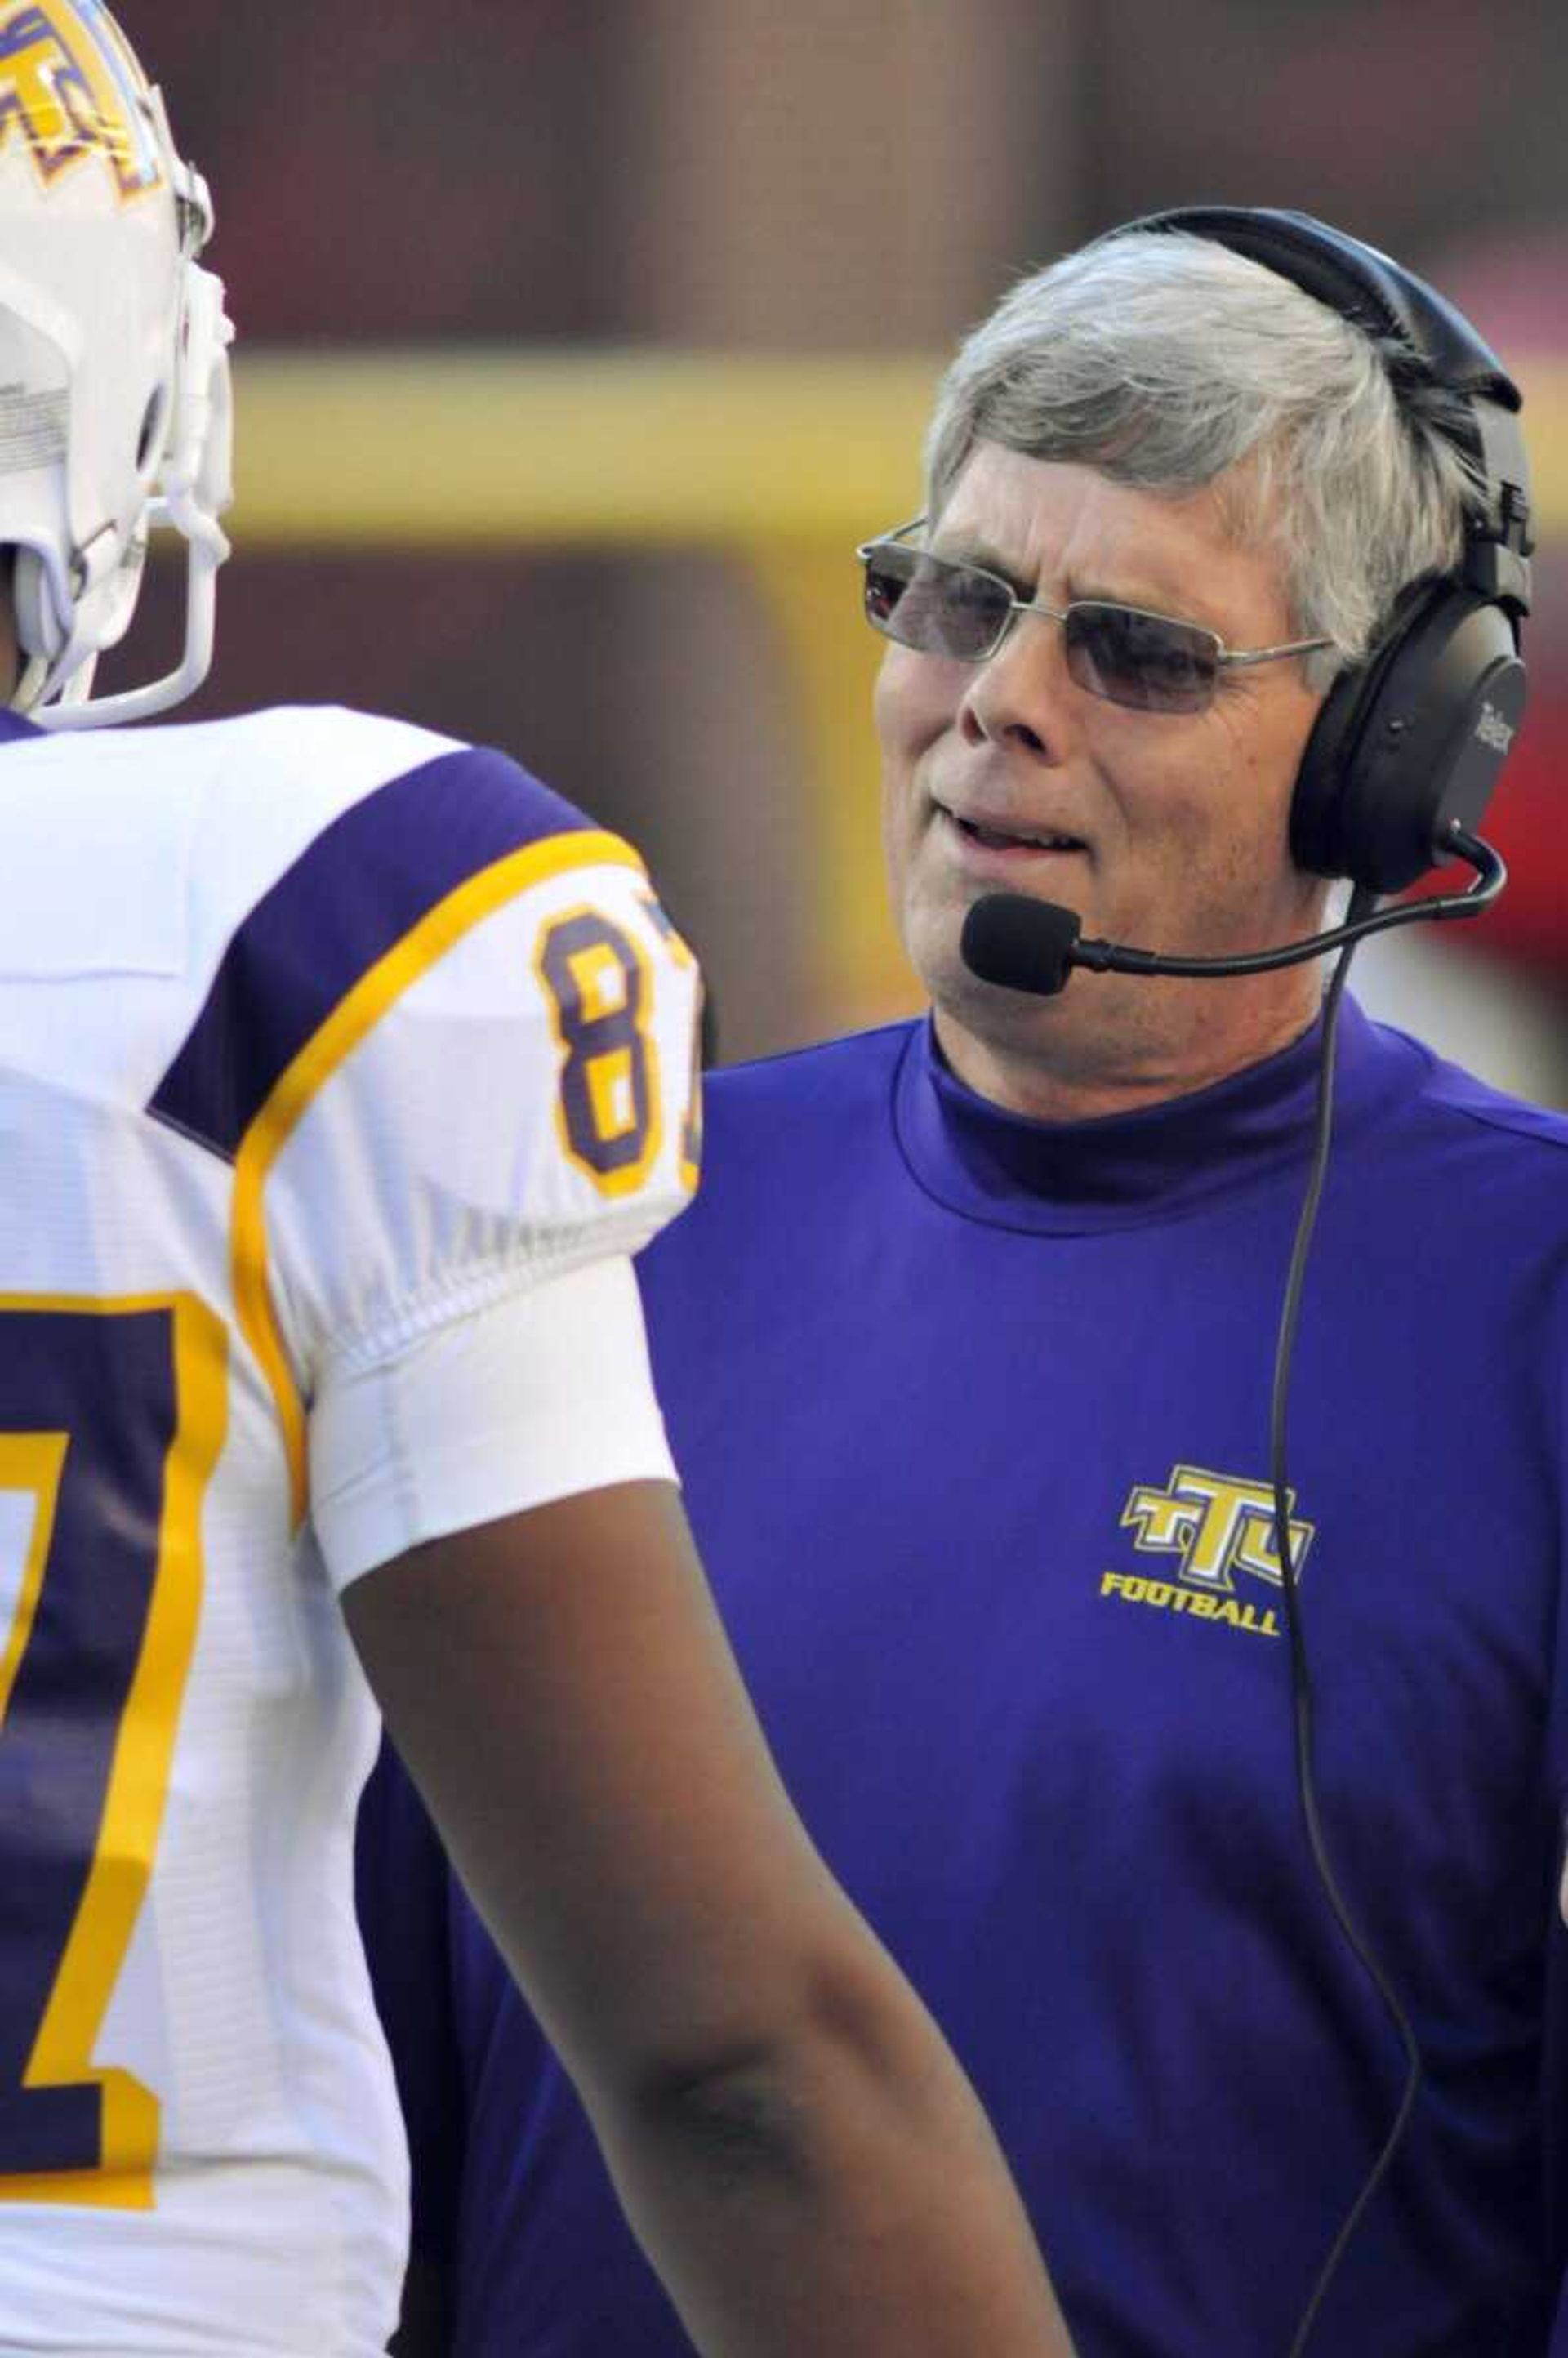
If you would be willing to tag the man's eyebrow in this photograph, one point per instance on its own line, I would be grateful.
(1153, 601)
(968, 548)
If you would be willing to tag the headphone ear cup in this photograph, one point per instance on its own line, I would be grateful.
(1411, 743)
(1315, 805)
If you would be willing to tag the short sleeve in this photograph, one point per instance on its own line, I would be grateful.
(509, 1098)
(450, 1055)
(545, 1393)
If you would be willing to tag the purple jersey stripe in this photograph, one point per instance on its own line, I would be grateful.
(349, 898)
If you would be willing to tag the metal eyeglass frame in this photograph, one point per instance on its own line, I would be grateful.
(1238, 657)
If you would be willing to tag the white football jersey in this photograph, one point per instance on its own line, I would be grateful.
(341, 1067)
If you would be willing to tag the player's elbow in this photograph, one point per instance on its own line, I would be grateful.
(845, 2036)
(734, 2119)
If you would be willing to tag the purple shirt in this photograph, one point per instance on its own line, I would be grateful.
(972, 1414)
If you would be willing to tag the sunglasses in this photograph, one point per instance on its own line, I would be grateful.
(1150, 663)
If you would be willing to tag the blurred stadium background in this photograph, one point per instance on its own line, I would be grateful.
(581, 339)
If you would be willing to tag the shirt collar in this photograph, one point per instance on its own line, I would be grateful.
(1124, 1170)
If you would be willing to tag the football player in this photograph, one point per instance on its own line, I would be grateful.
(341, 1069)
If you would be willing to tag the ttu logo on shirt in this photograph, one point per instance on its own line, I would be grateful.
(1215, 1527)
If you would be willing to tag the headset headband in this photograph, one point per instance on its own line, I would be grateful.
(1409, 744)
(1423, 340)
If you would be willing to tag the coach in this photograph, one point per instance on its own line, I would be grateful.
(1194, 1821)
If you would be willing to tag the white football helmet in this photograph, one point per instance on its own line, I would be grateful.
(114, 395)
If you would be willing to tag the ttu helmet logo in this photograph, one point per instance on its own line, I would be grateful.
(70, 92)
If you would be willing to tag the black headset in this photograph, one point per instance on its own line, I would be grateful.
(1410, 740)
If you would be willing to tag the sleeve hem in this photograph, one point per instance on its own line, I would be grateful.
(541, 1395)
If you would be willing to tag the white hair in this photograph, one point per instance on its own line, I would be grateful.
(1171, 363)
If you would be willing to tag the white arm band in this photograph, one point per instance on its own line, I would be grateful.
(540, 1395)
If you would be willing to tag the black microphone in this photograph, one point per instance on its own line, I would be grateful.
(1032, 945)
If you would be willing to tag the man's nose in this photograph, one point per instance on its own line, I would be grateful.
(1021, 698)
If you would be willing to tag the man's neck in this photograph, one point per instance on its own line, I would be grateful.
(1066, 1080)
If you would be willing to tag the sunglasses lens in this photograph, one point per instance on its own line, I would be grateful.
(940, 608)
(1142, 660)
(888, 571)
(935, 607)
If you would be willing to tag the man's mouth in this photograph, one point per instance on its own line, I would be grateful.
(997, 839)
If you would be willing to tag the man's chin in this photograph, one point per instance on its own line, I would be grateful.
(1004, 1020)
(931, 941)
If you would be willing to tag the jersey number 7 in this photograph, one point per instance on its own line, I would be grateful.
(112, 1415)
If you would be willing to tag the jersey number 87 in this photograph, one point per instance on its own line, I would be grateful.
(600, 986)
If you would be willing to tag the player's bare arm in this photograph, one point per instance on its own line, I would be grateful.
(793, 2143)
